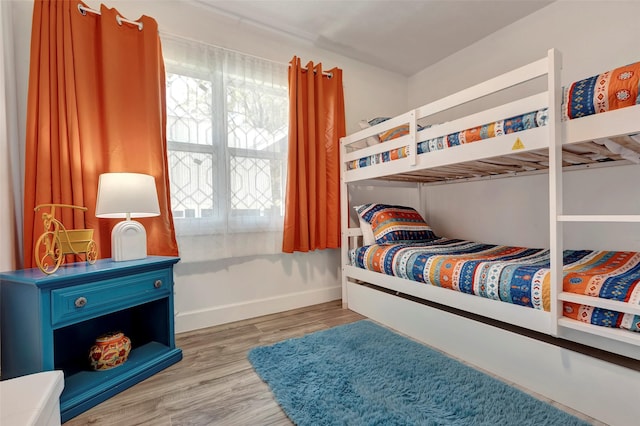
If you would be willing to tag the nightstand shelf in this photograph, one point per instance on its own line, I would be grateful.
(88, 388)
(50, 322)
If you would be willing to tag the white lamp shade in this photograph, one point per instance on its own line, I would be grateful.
(127, 195)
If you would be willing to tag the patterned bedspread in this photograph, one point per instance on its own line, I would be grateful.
(515, 124)
(517, 275)
(600, 93)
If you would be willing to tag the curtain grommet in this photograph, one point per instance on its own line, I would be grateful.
(120, 20)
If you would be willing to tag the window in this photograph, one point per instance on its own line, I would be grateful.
(227, 124)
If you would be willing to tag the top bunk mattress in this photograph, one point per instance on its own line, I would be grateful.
(597, 94)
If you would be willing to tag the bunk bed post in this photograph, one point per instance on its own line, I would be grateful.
(344, 224)
(413, 131)
(555, 186)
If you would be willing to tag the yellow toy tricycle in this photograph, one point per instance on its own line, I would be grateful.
(57, 241)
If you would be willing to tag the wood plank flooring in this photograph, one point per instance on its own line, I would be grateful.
(215, 384)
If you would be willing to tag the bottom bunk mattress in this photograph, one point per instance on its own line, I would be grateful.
(516, 275)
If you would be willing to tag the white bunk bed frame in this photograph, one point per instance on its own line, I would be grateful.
(562, 374)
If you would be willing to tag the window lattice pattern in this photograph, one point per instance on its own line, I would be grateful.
(192, 188)
(255, 185)
(227, 136)
(257, 116)
(189, 110)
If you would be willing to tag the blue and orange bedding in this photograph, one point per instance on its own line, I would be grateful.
(594, 95)
(516, 275)
(518, 123)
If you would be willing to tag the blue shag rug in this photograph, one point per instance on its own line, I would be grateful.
(364, 374)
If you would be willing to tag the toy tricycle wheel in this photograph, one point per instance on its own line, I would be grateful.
(48, 252)
(92, 252)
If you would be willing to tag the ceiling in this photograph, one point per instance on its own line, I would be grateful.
(404, 36)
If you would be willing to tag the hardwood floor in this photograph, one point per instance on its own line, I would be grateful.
(215, 383)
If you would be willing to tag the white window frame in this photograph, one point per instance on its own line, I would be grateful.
(224, 219)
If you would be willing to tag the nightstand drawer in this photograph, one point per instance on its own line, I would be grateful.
(85, 301)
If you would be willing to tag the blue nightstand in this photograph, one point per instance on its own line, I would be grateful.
(49, 322)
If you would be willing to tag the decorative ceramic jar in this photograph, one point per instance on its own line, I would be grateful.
(110, 350)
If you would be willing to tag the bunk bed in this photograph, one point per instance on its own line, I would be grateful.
(553, 131)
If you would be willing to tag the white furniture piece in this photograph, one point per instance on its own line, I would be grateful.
(32, 400)
(534, 348)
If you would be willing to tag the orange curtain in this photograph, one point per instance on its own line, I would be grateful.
(316, 124)
(96, 104)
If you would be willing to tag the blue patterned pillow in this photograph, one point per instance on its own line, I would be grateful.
(378, 120)
(395, 224)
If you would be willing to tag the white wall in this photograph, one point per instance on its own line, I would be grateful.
(10, 175)
(593, 36)
(514, 211)
(209, 293)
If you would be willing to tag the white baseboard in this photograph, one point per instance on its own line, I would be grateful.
(216, 315)
(602, 390)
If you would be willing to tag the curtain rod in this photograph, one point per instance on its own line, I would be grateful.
(327, 73)
(119, 19)
(83, 10)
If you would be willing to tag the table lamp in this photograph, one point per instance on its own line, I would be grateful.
(127, 195)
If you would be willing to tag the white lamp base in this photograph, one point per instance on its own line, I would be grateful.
(128, 241)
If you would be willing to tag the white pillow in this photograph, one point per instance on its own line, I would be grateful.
(367, 233)
(371, 140)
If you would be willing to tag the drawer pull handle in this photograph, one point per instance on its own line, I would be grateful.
(157, 284)
(80, 302)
